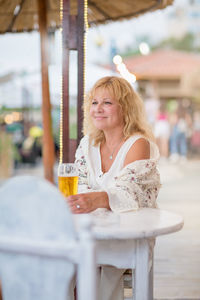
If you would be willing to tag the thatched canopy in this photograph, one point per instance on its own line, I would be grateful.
(22, 15)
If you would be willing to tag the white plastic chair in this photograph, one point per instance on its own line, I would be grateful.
(39, 248)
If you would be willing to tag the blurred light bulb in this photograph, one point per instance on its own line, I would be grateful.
(132, 78)
(99, 41)
(144, 48)
(121, 67)
(8, 119)
(117, 59)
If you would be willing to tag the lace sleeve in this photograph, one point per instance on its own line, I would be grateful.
(136, 186)
(80, 160)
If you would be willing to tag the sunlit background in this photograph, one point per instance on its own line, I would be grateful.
(159, 54)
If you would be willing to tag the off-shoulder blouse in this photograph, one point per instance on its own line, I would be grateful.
(129, 188)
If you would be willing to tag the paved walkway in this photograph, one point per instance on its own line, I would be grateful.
(177, 255)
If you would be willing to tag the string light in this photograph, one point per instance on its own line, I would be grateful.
(84, 44)
(61, 91)
(121, 67)
(117, 59)
(8, 119)
(84, 64)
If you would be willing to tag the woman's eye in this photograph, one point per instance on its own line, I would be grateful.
(94, 102)
(108, 102)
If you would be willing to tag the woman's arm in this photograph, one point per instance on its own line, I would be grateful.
(87, 198)
(136, 185)
(139, 150)
(88, 202)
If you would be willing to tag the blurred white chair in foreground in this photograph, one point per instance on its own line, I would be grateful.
(39, 247)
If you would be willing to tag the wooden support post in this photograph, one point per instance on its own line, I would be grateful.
(73, 39)
(81, 66)
(48, 144)
(65, 81)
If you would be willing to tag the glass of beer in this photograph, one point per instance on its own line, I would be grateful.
(68, 179)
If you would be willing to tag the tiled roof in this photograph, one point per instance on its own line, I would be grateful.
(163, 64)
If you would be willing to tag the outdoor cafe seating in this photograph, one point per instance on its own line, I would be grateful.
(39, 248)
(42, 244)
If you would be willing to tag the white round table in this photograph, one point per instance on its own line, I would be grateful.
(123, 241)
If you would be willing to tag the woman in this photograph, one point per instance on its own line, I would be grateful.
(117, 161)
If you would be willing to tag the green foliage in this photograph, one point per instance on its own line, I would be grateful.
(4, 109)
(73, 123)
(73, 131)
(186, 43)
(133, 49)
(129, 52)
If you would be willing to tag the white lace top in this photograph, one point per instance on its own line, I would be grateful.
(128, 188)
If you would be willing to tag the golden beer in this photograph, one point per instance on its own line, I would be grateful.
(68, 185)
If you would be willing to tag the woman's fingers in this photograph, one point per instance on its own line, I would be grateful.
(78, 203)
(77, 210)
(72, 198)
(81, 203)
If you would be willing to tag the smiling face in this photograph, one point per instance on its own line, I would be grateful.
(105, 111)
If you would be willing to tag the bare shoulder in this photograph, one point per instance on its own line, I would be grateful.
(138, 151)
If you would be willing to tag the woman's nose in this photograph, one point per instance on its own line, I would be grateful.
(99, 107)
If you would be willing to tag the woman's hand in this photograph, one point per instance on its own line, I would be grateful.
(88, 202)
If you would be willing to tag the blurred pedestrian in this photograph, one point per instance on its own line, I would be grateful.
(178, 140)
(195, 138)
(162, 132)
(152, 107)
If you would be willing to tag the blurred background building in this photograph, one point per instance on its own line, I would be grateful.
(185, 19)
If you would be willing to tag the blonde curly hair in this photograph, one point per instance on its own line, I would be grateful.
(135, 121)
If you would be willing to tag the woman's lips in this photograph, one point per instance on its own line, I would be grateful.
(99, 118)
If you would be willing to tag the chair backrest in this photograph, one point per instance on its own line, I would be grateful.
(39, 247)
